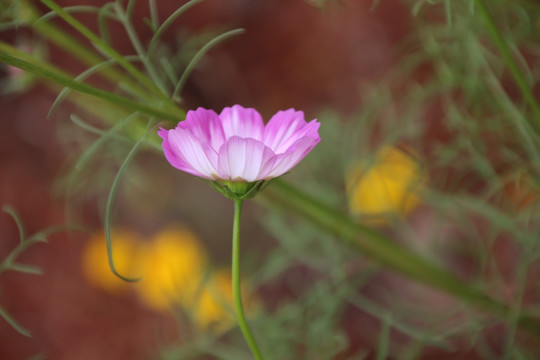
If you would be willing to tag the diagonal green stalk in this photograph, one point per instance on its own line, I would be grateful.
(65, 41)
(59, 78)
(168, 22)
(237, 291)
(511, 62)
(137, 45)
(82, 76)
(383, 250)
(105, 48)
(198, 56)
(14, 324)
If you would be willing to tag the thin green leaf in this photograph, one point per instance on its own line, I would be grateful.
(14, 324)
(378, 311)
(169, 70)
(168, 22)
(103, 137)
(73, 9)
(153, 14)
(91, 150)
(191, 65)
(137, 45)
(111, 199)
(130, 7)
(39, 237)
(27, 269)
(94, 69)
(66, 42)
(148, 23)
(11, 211)
(384, 339)
(9, 25)
(43, 235)
(87, 89)
(102, 23)
(448, 12)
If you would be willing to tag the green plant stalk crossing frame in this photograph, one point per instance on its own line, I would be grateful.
(87, 89)
(382, 250)
(104, 46)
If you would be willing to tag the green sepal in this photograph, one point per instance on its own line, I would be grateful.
(239, 190)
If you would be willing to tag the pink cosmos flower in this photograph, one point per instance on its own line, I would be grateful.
(236, 145)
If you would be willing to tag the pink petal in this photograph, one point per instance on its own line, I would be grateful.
(195, 157)
(206, 126)
(286, 161)
(281, 127)
(245, 159)
(175, 160)
(242, 122)
(310, 130)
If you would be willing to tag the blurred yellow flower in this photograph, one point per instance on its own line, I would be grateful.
(127, 252)
(174, 268)
(389, 184)
(213, 305)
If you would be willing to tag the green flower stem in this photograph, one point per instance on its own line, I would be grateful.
(383, 250)
(237, 292)
(511, 63)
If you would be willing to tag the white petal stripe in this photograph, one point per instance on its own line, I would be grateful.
(286, 161)
(244, 159)
(182, 142)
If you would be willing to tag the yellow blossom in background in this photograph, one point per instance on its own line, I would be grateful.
(389, 184)
(127, 253)
(174, 267)
(213, 305)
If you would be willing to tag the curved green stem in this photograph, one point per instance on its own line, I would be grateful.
(237, 293)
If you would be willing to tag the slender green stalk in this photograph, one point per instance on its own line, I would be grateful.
(237, 292)
(137, 45)
(383, 250)
(14, 324)
(104, 47)
(168, 22)
(61, 79)
(112, 197)
(74, 47)
(198, 56)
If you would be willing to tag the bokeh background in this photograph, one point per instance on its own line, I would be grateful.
(323, 59)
